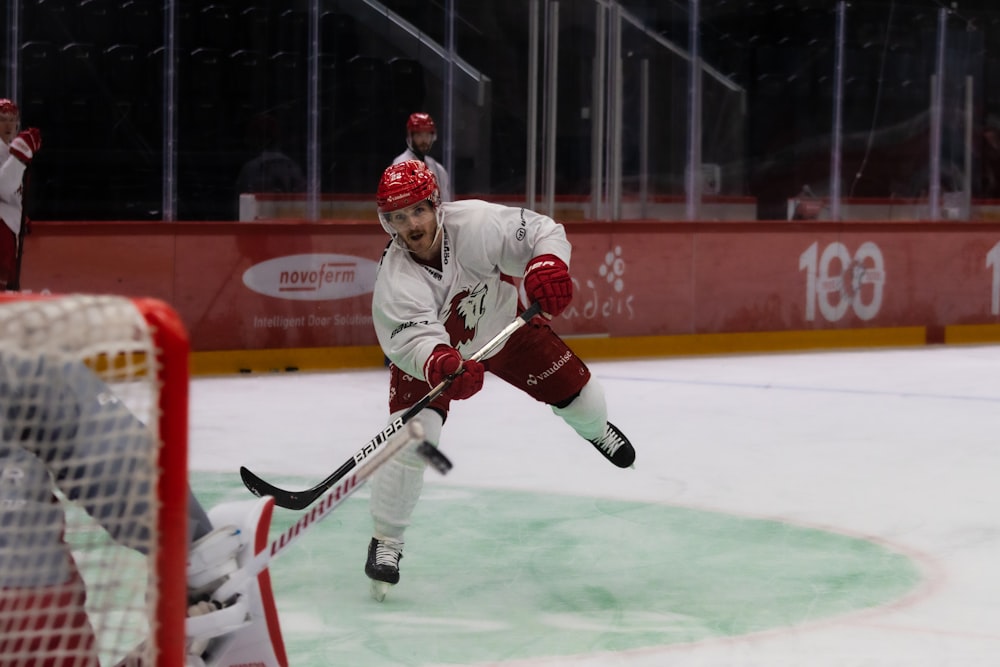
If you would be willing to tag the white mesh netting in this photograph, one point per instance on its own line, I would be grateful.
(79, 462)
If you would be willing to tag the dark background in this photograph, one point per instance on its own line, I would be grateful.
(91, 78)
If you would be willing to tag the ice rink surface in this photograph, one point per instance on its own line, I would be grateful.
(836, 508)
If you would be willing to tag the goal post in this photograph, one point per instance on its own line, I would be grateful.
(173, 364)
(93, 405)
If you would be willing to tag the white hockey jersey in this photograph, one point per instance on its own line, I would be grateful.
(11, 177)
(415, 308)
(443, 181)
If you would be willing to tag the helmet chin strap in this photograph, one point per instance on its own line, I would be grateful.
(437, 232)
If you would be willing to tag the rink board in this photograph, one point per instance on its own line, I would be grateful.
(291, 294)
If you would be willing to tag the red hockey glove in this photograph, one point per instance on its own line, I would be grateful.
(26, 144)
(446, 360)
(547, 281)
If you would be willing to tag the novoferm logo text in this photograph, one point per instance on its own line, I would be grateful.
(314, 277)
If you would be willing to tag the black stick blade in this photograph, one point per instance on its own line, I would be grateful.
(434, 457)
(293, 500)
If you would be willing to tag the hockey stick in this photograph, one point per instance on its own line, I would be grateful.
(197, 626)
(297, 500)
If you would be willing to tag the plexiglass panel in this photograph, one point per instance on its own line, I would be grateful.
(603, 109)
(87, 73)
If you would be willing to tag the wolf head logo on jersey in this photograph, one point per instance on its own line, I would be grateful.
(464, 315)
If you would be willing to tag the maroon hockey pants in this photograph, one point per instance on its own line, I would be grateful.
(8, 256)
(535, 360)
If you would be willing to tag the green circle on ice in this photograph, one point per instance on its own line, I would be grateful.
(492, 575)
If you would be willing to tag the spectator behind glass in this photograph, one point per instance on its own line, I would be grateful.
(271, 170)
(421, 134)
(991, 157)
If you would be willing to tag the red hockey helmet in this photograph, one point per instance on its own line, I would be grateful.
(421, 122)
(406, 184)
(8, 108)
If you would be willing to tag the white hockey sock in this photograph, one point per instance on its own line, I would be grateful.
(588, 413)
(396, 487)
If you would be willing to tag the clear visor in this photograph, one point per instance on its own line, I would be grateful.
(386, 220)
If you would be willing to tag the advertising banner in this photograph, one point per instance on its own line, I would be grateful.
(278, 290)
(254, 286)
(727, 278)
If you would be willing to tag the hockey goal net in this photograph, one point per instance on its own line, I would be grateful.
(93, 482)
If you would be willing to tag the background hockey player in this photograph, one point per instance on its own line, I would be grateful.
(421, 134)
(17, 149)
(442, 290)
(53, 435)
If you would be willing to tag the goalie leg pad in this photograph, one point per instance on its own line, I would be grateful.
(256, 635)
(212, 559)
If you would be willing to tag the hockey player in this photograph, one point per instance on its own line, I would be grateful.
(17, 149)
(53, 434)
(420, 137)
(442, 290)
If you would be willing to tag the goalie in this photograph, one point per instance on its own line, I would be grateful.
(61, 427)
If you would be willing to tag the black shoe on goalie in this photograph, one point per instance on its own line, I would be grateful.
(382, 566)
(615, 447)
